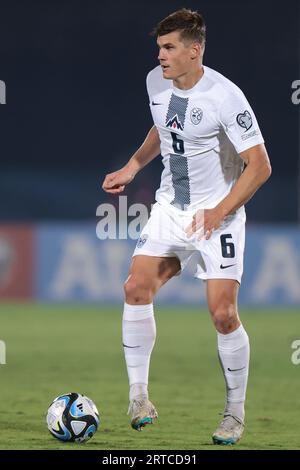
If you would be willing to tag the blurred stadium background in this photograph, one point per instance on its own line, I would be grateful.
(76, 108)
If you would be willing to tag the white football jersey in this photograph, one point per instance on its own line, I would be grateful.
(202, 130)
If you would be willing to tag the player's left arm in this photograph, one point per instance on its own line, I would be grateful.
(257, 171)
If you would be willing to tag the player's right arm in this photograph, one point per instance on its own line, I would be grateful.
(114, 183)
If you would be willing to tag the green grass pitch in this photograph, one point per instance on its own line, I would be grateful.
(51, 350)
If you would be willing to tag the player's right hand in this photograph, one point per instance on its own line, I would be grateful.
(114, 183)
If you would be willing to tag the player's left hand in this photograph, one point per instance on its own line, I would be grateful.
(205, 221)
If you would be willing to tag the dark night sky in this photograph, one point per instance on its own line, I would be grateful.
(77, 105)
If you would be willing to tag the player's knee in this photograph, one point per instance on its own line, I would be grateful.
(138, 291)
(225, 318)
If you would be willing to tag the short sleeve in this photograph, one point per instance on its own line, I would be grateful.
(239, 122)
(149, 86)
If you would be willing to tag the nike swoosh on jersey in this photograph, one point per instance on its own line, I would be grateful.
(228, 266)
(156, 104)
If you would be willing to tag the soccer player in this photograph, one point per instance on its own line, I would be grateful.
(214, 160)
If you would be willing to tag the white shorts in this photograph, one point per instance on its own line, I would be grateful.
(220, 257)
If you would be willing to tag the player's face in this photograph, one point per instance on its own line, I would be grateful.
(175, 56)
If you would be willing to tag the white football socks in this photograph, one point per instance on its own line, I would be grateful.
(234, 354)
(139, 332)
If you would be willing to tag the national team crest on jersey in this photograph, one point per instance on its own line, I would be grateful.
(244, 120)
(176, 112)
(196, 116)
(175, 123)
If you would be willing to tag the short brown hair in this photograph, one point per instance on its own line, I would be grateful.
(189, 23)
